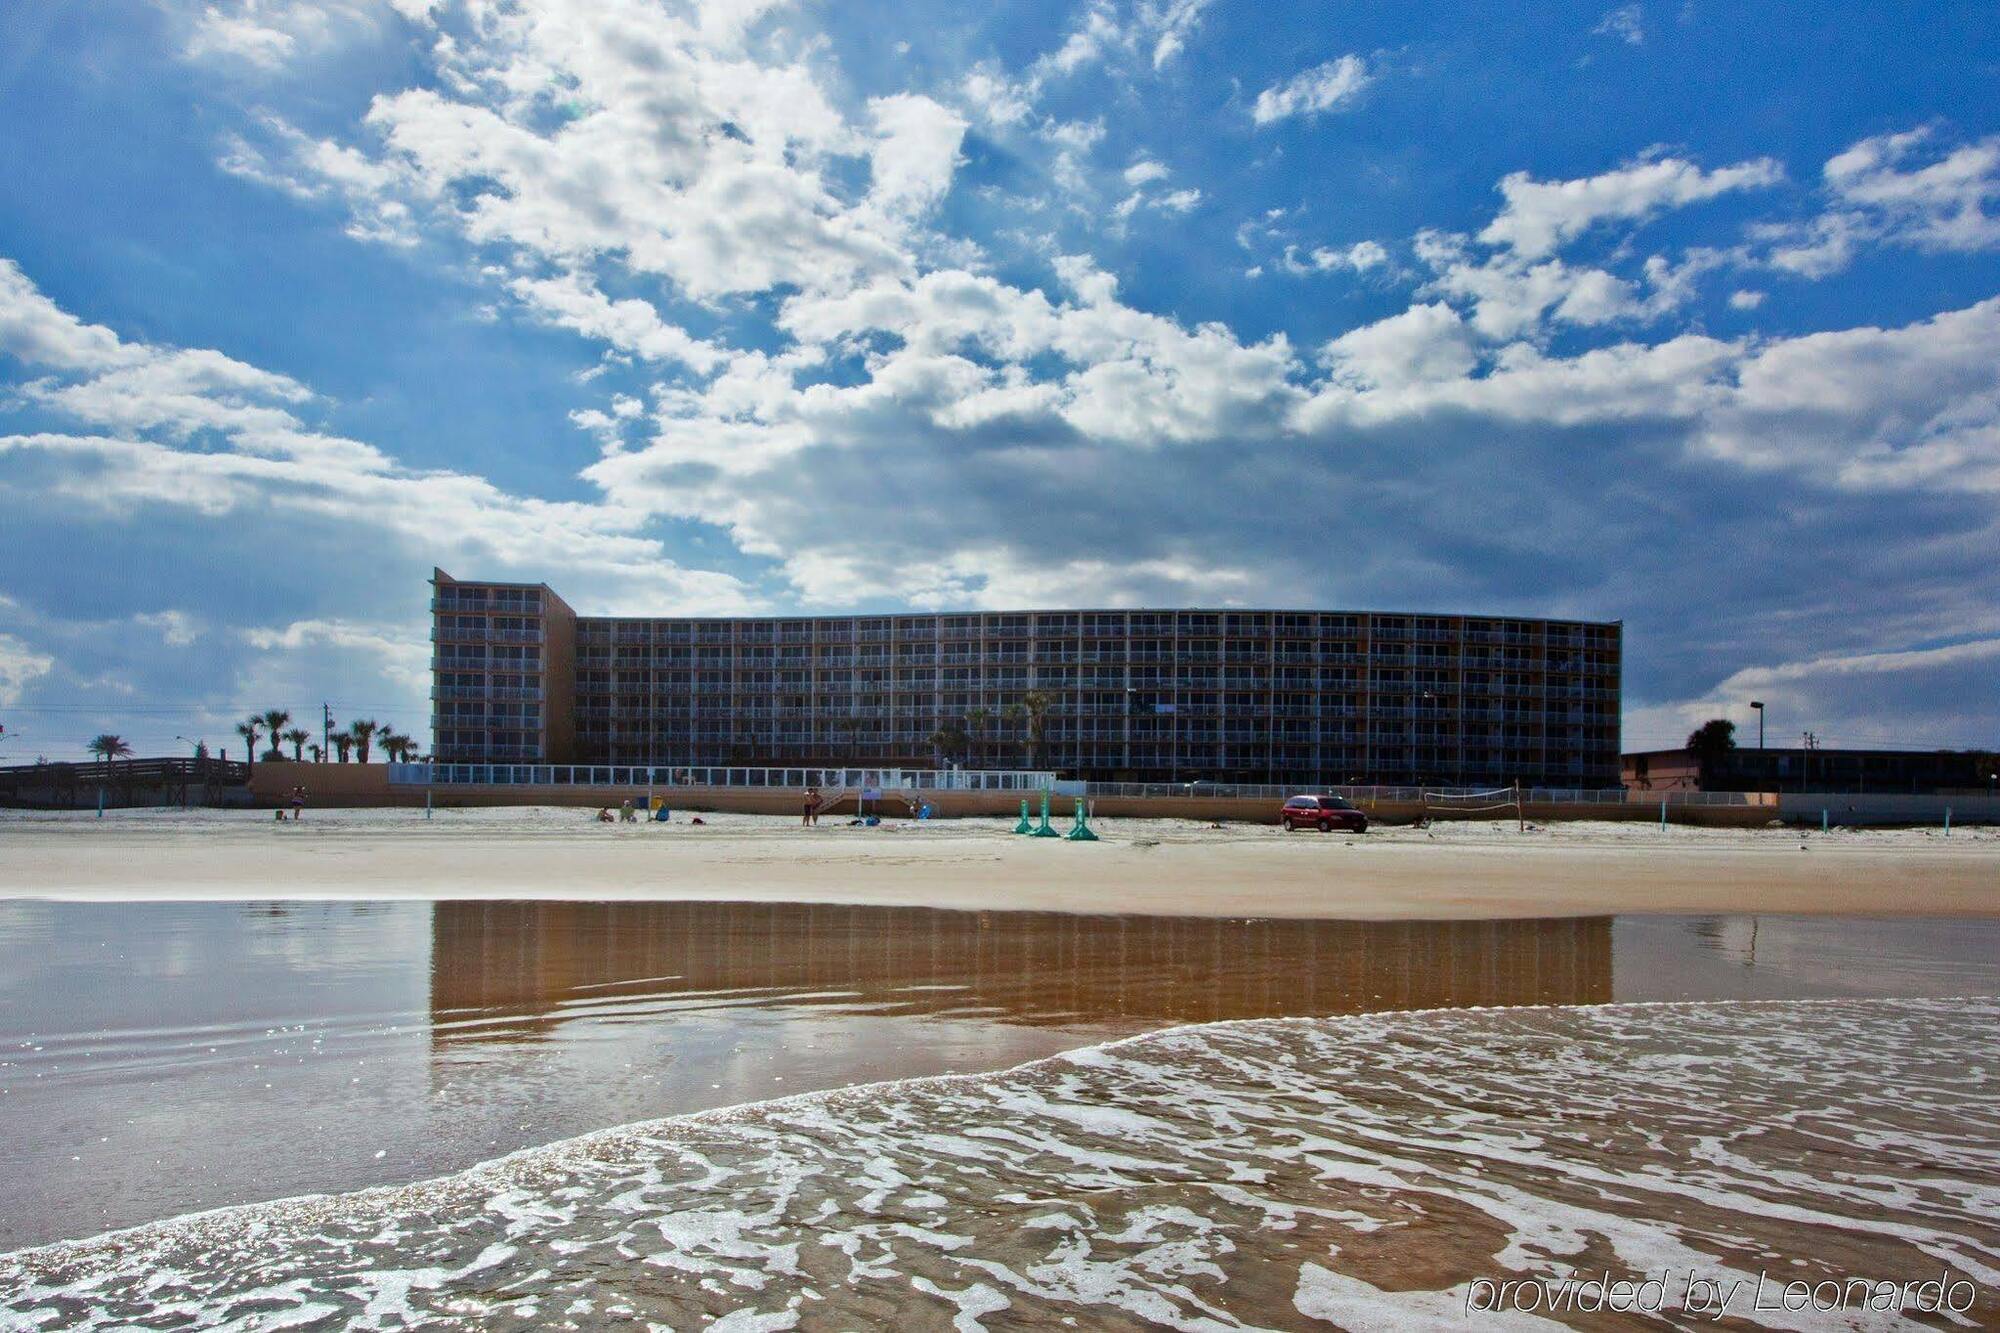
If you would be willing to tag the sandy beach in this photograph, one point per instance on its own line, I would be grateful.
(1449, 871)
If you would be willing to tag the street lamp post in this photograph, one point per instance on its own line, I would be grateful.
(196, 756)
(1128, 731)
(1758, 704)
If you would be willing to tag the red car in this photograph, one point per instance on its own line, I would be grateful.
(1325, 813)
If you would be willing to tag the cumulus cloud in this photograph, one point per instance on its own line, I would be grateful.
(1360, 257)
(1871, 407)
(1324, 87)
(1538, 217)
(397, 649)
(1863, 700)
(872, 414)
(1424, 343)
(194, 429)
(262, 37)
(1893, 189)
(19, 665)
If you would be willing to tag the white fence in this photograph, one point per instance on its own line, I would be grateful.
(934, 779)
(669, 777)
(1426, 795)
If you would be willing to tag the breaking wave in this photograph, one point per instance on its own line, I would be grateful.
(1360, 1171)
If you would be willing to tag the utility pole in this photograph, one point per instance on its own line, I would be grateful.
(1812, 743)
(325, 730)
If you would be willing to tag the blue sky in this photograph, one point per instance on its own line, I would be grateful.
(1684, 314)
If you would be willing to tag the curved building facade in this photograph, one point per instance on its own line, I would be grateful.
(1220, 695)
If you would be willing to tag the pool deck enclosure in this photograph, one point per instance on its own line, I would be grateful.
(1223, 695)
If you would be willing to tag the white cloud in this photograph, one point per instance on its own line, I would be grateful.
(1424, 343)
(909, 426)
(1359, 257)
(916, 153)
(397, 650)
(34, 330)
(1324, 87)
(262, 37)
(572, 301)
(1745, 299)
(1627, 23)
(1873, 408)
(194, 430)
(177, 629)
(1538, 217)
(241, 37)
(1903, 697)
(997, 98)
(20, 664)
(1939, 205)
(1882, 191)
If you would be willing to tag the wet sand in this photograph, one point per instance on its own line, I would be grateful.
(1450, 871)
(157, 1058)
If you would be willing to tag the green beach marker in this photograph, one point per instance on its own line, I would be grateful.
(1024, 826)
(1045, 831)
(1080, 831)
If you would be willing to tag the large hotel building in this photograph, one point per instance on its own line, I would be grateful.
(1297, 697)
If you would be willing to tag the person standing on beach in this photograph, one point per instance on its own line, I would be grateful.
(298, 803)
(811, 815)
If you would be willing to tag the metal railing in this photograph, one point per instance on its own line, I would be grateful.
(674, 775)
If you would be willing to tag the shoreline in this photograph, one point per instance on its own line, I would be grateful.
(540, 1156)
(1458, 871)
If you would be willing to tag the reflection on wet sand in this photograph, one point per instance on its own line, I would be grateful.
(505, 970)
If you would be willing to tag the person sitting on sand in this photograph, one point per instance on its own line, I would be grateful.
(626, 814)
(604, 814)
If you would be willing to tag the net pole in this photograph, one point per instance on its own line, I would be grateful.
(1520, 818)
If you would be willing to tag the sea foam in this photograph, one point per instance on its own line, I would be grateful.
(1358, 1171)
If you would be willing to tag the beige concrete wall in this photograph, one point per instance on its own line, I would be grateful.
(271, 782)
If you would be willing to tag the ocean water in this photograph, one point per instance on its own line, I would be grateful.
(1367, 1171)
(162, 1058)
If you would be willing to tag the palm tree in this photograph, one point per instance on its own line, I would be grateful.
(298, 736)
(1711, 743)
(318, 754)
(949, 739)
(275, 721)
(395, 745)
(1036, 705)
(363, 730)
(1014, 715)
(248, 731)
(342, 743)
(975, 723)
(109, 747)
